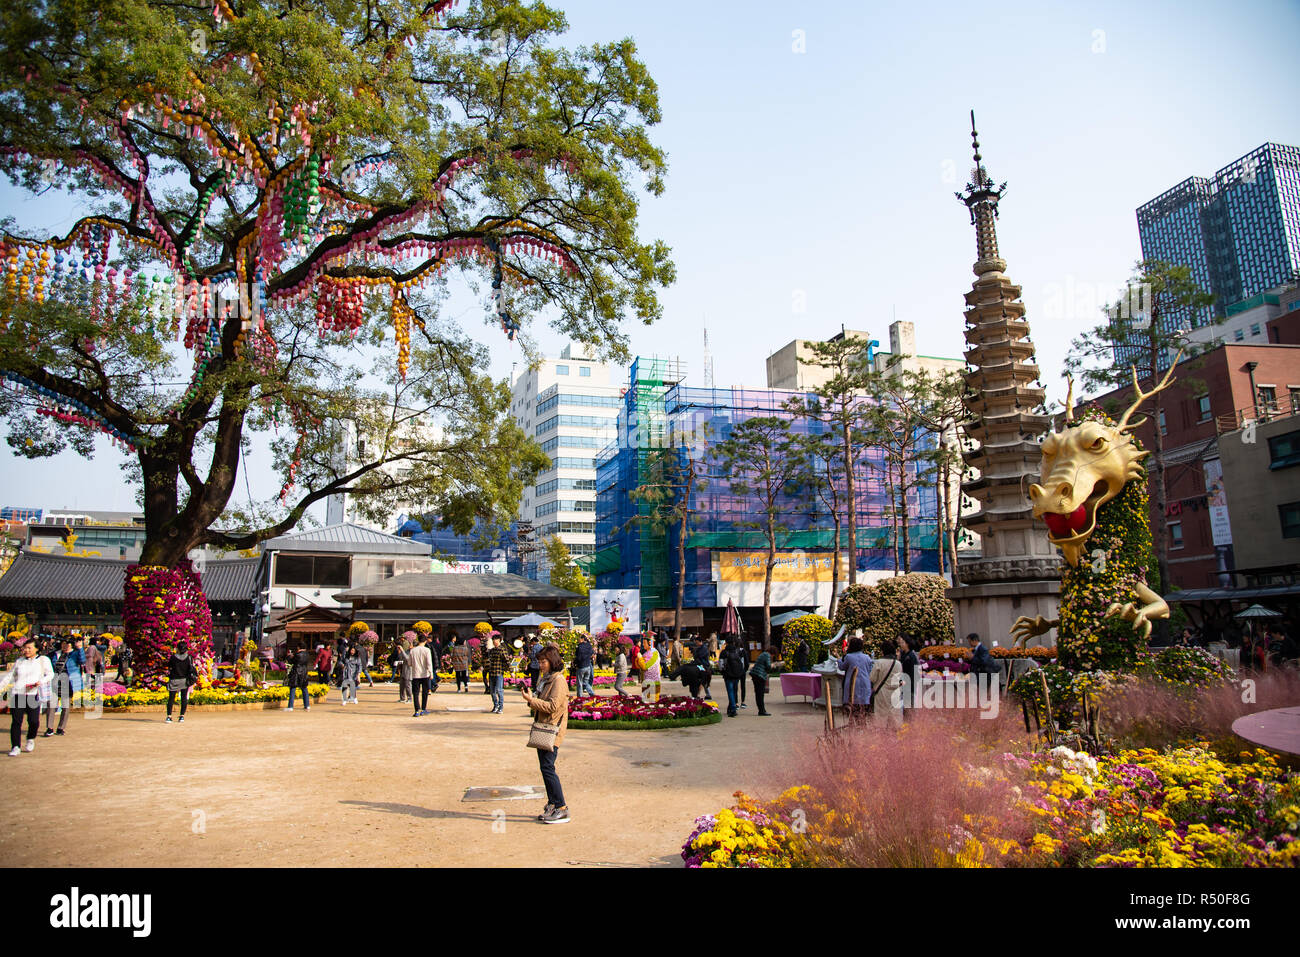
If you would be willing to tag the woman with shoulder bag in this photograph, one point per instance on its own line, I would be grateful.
(181, 676)
(886, 682)
(550, 708)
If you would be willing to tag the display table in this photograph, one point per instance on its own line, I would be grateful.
(805, 683)
(1278, 729)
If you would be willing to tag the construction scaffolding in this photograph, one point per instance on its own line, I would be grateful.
(660, 412)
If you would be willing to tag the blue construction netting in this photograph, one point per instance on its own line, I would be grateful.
(658, 413)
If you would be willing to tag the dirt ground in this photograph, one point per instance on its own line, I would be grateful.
(368, 785)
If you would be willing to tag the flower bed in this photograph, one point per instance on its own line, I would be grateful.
(144, 698)
(1181, 807)
(615, 713)
(960, 653)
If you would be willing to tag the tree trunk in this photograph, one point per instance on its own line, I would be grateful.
(893, 508)
(681, 576)
(853, 504)
(835, 569)
(767, 583)
(902, 501)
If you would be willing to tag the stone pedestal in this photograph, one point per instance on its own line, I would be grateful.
(991, 609)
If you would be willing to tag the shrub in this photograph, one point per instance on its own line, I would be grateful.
(911, 604)
(814, 629)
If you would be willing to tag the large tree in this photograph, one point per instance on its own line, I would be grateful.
(762, 458)
(1144, 332)
(665, 500)
(841, 402)
(281, 188)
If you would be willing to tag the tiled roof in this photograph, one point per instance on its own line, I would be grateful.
(59, 577)
(469, 587)
(346, 537)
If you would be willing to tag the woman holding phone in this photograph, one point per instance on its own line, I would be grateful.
(551, 706)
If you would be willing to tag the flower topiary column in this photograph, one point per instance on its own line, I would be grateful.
(162, 606)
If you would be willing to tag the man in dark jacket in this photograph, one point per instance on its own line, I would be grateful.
(584, 667)
(981, 662)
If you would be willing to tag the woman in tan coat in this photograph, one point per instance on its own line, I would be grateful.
(551, 706)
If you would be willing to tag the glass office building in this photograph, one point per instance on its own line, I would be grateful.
(1239, 231)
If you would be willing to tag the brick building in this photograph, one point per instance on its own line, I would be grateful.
(1213, 399)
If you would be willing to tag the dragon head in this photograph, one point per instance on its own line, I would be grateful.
(1085, 465)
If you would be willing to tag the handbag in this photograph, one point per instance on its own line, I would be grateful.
(871, 705)
(542, 736)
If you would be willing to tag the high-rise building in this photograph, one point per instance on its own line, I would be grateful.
(1238, 231)
(570, 406)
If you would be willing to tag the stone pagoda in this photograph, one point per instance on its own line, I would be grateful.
(1019, 571)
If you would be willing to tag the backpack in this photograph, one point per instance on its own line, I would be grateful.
(732, 666)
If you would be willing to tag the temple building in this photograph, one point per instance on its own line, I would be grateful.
(1018, 572)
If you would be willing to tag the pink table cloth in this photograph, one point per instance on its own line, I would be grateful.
(801, 683)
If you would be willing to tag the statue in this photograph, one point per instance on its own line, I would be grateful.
(1093, 498)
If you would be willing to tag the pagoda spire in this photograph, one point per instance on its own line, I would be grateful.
(981, 198)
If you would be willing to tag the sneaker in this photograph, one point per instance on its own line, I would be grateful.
(765, 714)
(30, 746)
(308, 708)
(558, 815)
(545, 811)
(290, 708)
(744, 706)
(49, 733)
(416, 715)
(182, 717)
(14, 752)
(169, 719)
(60, 731)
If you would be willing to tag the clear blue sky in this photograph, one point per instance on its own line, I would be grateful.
(831, 172)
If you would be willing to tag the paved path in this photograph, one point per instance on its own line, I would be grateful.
(368, 785)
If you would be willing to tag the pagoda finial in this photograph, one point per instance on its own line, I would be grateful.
(974, 138)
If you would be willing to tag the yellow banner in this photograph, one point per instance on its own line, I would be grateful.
(794, 566)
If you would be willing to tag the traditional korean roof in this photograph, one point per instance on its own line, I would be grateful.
(38, 577)
(471, 588)
(346, 537)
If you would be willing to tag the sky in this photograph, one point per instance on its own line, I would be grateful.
(814, 151)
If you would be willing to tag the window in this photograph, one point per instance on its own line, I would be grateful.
(320, 571)
(561, 370)
(1164, 430)
(1254, 328)
(1238, 334)
(584, 371)
(1284, 450)
(1268, 398)
(566, 398)
(1293, 391)
(1289, 515)
(1175, 534)
(1202, 408)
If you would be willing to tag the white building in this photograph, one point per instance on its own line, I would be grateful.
(570, 407)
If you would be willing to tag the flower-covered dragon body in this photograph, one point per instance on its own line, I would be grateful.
(1093, 498)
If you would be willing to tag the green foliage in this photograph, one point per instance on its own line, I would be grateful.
(650, 724)
(550, 143)
(811, 628)
(912, 604)
(563, 574)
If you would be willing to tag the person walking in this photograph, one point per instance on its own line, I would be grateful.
(534, 669)
(759, 671)
(76, 665)
(363, 649)
(124, 658)
(550, 705)
(495, 665)
(856, 665)
(28, 683)
(584, 666)
(460, 663)
(351, 674)
(648, 663)
(886, 684)
(61, 690)
(400, 661)
(94, 662)
(734, 668)
(181, 676)
(435, 662)
(300, 664)
(676, 655)
(620, 672)
(911, 665)
(323, 656)
(421, 667)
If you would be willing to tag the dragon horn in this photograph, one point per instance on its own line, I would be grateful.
(1069, 399)
(1143, 396)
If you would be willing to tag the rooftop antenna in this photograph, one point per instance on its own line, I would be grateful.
(708, 361)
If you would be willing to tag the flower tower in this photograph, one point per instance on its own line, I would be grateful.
(163, 606)
(1018, 572)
